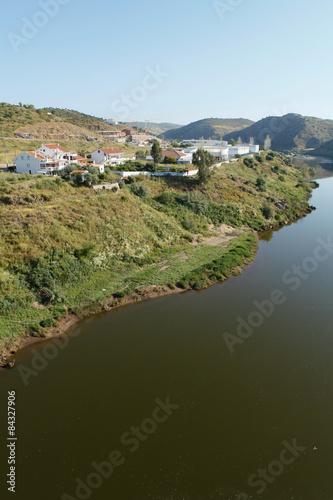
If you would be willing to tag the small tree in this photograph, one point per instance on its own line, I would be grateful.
(232, 142)
(204, 161)
(156, 152)
(169, 160)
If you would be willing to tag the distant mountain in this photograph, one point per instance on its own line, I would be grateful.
(155, 128)
(287, 132)
(325, 149)
(209, 128)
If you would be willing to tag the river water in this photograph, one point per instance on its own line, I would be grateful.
(193, 413)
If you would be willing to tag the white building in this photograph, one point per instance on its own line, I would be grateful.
(34, 163)
(108, 156)
(58, 153)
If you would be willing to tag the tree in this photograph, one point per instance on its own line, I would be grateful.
(268, 143)
(251, 141)
(204, 161)
(169, 160)
(156, 152)
(232, 142)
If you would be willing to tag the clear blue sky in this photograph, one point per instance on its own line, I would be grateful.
(255, 58)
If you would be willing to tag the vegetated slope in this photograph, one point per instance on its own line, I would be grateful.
(81, 119)
(209, 128)
(58, 131)
(65, 248)
(287, 132)
(25, 118)
(326, 149)
(155, 128)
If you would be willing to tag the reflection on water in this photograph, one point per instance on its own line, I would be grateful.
(323, 166)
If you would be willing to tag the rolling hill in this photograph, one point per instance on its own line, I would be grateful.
(287, 132)
(155, 128)
(325, 149)
(48, 121)
(209, 128)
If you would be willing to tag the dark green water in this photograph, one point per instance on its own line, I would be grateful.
(235, 411)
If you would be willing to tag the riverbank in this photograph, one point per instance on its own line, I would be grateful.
(234, 257)
(68, 251)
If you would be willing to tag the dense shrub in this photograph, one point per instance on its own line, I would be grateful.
(140, 191)
(261, 184)
(196, 202)
(267, 211)
(248, 162)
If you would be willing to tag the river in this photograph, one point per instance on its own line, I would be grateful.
(194, 410)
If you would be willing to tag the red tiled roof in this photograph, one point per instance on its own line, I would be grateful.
(173, 154)
(111, 151)
(36, 155)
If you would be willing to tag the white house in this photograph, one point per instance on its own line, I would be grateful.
(58, 153)
(108, 156)
(32, 162)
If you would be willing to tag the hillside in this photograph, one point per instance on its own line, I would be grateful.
(287, 132)
(326, 149)
(66, 249)
(209, 128)
(48, 122)
(155, 128)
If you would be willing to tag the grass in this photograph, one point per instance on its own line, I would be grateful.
(66, 248)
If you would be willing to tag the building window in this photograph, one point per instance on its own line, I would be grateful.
(22, 157)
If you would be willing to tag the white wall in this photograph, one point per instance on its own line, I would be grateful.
(26, 164)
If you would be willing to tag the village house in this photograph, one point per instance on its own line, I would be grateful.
(181, 157)
(108, 156)
(34, 163)
(57, 152)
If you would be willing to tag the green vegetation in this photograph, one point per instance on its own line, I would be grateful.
(287, 133)
(204, 161)
(325, 149)
(156, 152)
(65, 248)
(210, 128)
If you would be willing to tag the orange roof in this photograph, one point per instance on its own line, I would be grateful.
(111, 151)
(173, 154)
(79, 171)
(32, 153)
(81, 158)
(56, 146)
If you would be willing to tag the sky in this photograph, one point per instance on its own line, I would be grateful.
(174, 61)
